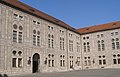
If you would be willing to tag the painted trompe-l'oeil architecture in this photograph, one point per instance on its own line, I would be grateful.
(32, 41)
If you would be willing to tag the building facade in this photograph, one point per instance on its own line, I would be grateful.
(32, 41)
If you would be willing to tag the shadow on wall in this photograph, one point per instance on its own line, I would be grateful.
(4, 75)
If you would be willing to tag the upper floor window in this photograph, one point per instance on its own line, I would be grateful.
(50, 28)
(36, 22)
(86, 46)
(70, 45)
(101, 45)
(114, 33)
(36, 38)
(50, 41)
(78, 47)
(62, 42)
(18, 16)
(100, 35)
(115, 43)
(86, 38)
(17, 33)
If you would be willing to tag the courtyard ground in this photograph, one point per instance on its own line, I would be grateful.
(80, 73)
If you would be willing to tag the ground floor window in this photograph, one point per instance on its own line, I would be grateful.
(14, 62)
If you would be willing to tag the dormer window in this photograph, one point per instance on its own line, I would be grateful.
(114, 24)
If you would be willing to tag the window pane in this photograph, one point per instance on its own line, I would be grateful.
(100, 62)
(13, 62)
(19, 62)
(114, 61)
(14, 36)
(20, 37)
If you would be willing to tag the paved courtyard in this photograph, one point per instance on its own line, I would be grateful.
(82, 73)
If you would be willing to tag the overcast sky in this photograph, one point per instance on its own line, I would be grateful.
(79, 13)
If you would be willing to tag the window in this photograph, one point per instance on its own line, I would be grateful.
(115, 43)
(61, 43)
(78, 47)
(15, 26)
(86, 46)
(118, 61)
(62, 61)
(20, 37)
(100, 62)
(51, 60)
(114, 61)
(17, 34)
(50, 41)
(19, 62)
(101, 45)
(36, 38)
(87, 61)
(70, 45)
(14, 36)
(52, 63)
(78, 61)
(71, 61)
(20, 53)
(13, 62)
(104, 61)
(14, 52)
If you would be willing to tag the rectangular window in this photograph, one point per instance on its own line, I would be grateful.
(71, 46)
(118, 61)
(114, 61)
(52, 63)
(38, 40)
(52, 43)
(64, 63)
(63, 46)
(20, 37)
(103, 47)
(13, 62)
(89, 62)
(48, 43)
(85, 63)
(117, 45)
(84, 48)
(34, 39)
(99, 47)
(19, 62)
(49, 61)
(100, 62)
(113, 45)
(78, 47)
(61, 63)
(14, 36)
(104, 61)
(60, 45)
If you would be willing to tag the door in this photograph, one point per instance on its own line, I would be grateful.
(36, 62)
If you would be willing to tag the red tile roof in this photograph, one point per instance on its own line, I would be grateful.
(26, 8)
(21, 6)
(102, 27)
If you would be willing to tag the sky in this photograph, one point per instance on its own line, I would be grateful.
(79, 13)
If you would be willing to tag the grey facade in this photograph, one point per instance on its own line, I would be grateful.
(29, 44)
